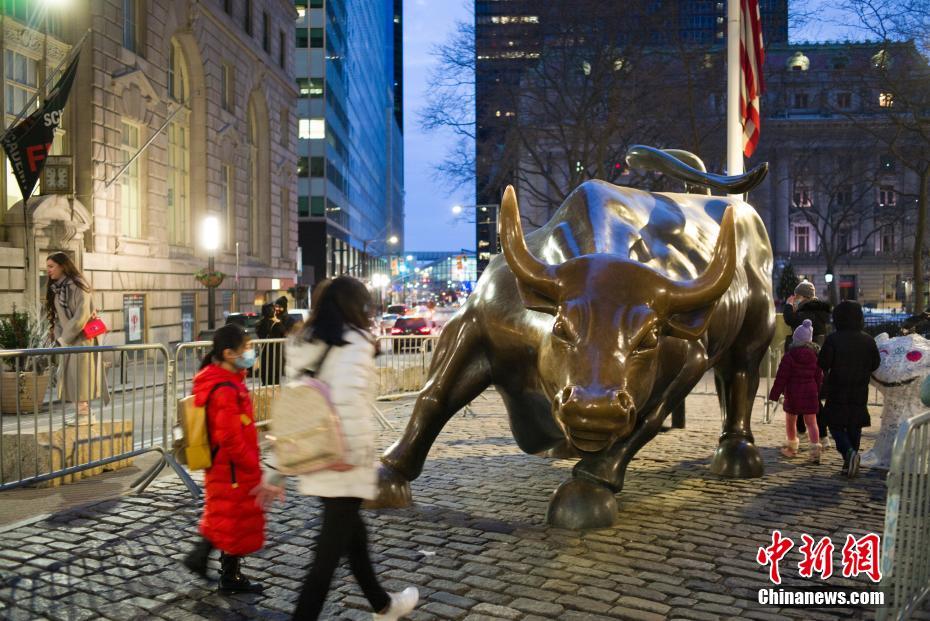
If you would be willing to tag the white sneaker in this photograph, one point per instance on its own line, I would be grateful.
(401, 604)
(825, 441)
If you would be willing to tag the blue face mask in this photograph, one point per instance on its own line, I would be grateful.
(246, 360)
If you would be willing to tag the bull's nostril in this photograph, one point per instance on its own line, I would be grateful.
(623, 399)
(567, 393)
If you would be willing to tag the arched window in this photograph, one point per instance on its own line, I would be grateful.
(179, 178)
(253, 180)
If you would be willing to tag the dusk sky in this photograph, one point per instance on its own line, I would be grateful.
(429, 223)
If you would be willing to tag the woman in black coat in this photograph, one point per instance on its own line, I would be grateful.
(272, 358)
(848, 358)
(805, 305)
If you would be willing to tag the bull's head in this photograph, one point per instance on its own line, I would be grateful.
(612, 316)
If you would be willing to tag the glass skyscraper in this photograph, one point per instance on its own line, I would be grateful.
(349, 68)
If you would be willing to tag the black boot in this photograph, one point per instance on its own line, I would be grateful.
(231, 580)
(196, 560)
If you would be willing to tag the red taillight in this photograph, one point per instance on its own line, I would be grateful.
(396, 331)
(424, 330)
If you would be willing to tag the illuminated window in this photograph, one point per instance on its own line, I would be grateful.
(802, 197)
(802, 238)
(130, 192)
(317, 129)
(887, 197)
(226, 87)
(844, 101)
(885, 100)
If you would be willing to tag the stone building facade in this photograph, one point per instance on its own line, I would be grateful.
(837, 199)
(204, 92)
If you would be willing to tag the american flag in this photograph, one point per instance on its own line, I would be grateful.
(751, 58)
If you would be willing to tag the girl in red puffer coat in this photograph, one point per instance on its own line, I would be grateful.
(799, 378)
(233, 521)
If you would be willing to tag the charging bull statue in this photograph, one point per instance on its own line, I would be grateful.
(596, 327)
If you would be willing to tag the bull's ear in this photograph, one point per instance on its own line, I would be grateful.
(536, 301)
(689, 326)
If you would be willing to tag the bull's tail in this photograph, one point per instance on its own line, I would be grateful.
(649, 158)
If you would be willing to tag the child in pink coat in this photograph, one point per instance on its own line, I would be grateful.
(799, 378)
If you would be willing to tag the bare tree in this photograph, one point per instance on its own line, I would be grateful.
(835, 196)
(450, 103)
(899, 84)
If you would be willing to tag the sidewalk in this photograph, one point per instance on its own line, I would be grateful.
(475, 542)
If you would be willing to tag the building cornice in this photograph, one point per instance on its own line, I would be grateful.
(29, 42)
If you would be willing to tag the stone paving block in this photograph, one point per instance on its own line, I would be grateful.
(480, 508)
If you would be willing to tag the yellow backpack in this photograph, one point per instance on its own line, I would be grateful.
(192, 444)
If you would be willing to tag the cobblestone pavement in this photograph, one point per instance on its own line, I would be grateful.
(475, 543)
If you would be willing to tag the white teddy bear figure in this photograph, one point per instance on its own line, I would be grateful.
(905, 363)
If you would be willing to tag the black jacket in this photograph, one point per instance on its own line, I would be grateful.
(848, 358)
(816, 310)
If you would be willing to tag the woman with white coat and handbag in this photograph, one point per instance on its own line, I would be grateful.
(69, 306)
(336, 347)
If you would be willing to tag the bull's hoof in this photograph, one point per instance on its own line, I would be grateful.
(737, 458)
(579, 504)
(393, 490)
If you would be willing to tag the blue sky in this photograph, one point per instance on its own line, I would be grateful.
(428, 203)
(429, 224)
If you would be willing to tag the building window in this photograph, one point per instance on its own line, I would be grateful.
(800, 101)
(247, 18)
(133, 15)
(226, 204)
(227, 6)
(316, 4)
(886, 240)
(178, 83)
(843, 238)
(802, 238)
(885, 100)
(266, 32)
(254, 210)
(317, 166)
(130, 194)
(285, 223)
(303, 87)
(302, 38)
(179, 179)
(317, 206)
(303, 166)
(226, 87)
(843, 196)
(315, 88)
(22, 81)
(887, 197)
(303, 129)
(316, 128)
(303, 206)
(316, 37)
(844, 101)
(282, 48)
(802, 197)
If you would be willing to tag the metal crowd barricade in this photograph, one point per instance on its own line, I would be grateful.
(404, 363)
(49, 431)
(263, 380)
(906, 545)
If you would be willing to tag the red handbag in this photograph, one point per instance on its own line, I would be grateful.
(94, 328)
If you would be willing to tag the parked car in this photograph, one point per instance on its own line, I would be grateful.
(387, 322)
(412, 327)
(397, 309)
(247, 321)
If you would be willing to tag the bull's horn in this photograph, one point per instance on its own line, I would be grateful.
(529, 270)
(704, 290)
(648, 158)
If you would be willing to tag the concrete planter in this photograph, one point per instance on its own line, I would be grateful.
(29, 387)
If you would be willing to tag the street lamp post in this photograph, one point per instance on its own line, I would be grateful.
(210, 240)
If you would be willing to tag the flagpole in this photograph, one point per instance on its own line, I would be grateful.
(734, 127)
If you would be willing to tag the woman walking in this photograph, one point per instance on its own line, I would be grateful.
(233, 519)
(336, 346)
(69, 306)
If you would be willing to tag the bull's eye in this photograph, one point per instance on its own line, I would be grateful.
(649, 341)
(563, 331)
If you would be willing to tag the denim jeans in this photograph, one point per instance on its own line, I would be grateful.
(846, 438)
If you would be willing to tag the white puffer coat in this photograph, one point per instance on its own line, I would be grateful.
(349, 371)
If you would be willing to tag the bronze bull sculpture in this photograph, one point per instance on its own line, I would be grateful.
(596, 327)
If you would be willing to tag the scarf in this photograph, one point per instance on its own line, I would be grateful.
(62, 290)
